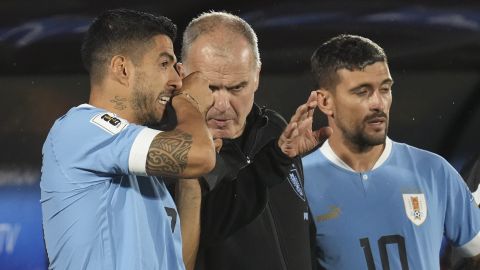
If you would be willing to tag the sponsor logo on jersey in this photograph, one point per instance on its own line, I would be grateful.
(333, 213)
(294, 181)
(109, 122)
(415, 207)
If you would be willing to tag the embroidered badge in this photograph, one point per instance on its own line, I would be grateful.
(109, 122)
(294, 181)
(415, 207)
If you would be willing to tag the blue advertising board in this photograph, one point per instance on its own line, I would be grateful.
(21, 237)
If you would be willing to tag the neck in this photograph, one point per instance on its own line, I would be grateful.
(113, 101)
(359, 158)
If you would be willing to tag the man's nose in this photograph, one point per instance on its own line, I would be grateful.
(221, 100)
(174, 79)
(377, 101)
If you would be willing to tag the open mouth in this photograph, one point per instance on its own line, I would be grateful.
(164, 100)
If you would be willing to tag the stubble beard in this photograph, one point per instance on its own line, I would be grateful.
(142, 102)
(358, 137)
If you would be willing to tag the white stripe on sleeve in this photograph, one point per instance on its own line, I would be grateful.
(472, 247)
(138, 154)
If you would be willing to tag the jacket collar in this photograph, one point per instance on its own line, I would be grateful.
(253, 133)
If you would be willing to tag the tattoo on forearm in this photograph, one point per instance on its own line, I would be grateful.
(119, 102)
(168, 154)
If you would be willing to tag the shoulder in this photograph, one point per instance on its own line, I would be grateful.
(311, 159)
(269, 123)
(275, 118)
(419, 156)
(89, 120)
(89, 127)
(274, 122)
(424, 162)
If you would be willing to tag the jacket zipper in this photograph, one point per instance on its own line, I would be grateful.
(247, 159)
(270, 216)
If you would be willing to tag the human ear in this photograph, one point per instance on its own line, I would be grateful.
(257, 79)
(325, 101)
(120, 69)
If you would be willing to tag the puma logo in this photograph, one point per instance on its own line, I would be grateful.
(333, 213)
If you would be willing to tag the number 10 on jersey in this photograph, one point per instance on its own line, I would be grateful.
(382, 246)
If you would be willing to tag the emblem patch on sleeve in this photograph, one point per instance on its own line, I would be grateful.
(415, 207)
(109, 122)
(294, 180)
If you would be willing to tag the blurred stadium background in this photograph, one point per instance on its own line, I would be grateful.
(433, 48)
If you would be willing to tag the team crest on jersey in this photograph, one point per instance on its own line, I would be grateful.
(109, 122)
(294, 181)
(415, 207)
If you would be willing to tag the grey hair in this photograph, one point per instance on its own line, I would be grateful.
(209, 22)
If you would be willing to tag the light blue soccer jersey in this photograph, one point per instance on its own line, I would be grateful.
(392, 217)
(100, 210)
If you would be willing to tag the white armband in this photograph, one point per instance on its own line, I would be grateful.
(471, 248)
(138, 153)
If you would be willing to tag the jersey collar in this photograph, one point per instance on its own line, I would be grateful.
(327, 151)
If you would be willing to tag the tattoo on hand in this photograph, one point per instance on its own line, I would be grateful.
(168, 154)
(119, 103)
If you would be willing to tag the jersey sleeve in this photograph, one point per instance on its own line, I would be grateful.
(462, 217)
(98, 144)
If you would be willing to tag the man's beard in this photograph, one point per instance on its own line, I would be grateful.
(142, 101)
(358, 137)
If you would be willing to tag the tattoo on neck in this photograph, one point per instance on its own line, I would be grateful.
(168, 153)
(119, 103)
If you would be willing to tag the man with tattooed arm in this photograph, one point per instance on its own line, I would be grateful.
(103, 205)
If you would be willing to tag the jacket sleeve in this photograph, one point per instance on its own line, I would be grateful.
(234, 203)
(271, 165)
(274, 165)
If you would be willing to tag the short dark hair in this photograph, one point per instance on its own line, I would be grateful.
(121, 31)
(344, 51)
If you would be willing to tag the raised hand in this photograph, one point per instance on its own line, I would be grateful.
(298, 137)
(196, 88)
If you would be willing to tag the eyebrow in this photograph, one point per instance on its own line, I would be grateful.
(241, 84)
(389, 81)
(167, 55)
